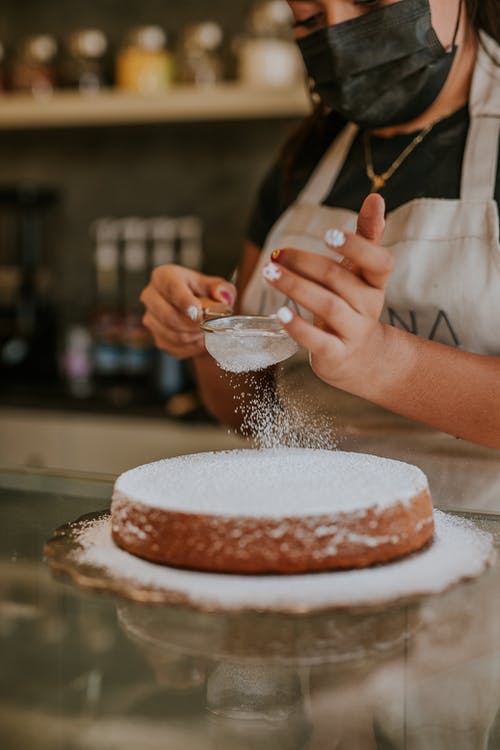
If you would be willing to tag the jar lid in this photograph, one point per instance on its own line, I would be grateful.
(151, 38)
(270, 18)
(202, 37)
(41, 48)
(88, 43)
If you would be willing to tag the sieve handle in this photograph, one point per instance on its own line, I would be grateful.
(212, 308)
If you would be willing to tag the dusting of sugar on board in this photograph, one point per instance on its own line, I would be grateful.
(285, 482)
(459, 551)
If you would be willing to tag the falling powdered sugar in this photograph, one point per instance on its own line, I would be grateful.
(277, 422)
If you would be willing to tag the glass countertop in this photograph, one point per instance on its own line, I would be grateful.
(88, 671)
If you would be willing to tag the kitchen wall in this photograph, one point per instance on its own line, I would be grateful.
(115, 16)
(210, 169)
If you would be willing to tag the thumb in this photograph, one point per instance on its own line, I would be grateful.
(371, 219)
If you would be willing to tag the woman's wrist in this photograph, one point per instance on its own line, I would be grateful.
(385, 363)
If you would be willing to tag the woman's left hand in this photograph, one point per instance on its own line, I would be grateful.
(346, 300)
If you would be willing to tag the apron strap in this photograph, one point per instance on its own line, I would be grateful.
(479, 171)
(328, 169)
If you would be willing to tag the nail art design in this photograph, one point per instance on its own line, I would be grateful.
(193, 313)
(227, 297)
(335, 238)
(285, 315)
(276, 255)
(271, 272)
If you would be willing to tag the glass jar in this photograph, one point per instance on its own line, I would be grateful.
(267, 54)
(144, 64)
(270, 18)
(34, 69)
(84, 67)
(200, 54)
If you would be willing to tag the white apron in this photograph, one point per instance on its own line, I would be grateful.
(446, 282)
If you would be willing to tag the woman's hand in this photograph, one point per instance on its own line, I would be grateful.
(346, 299)
(174, 307)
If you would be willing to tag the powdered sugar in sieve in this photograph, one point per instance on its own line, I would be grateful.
(459, 552)
(248, 343)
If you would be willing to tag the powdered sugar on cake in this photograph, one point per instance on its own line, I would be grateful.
(274, 483)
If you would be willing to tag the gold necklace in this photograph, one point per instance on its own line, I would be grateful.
(379, 181)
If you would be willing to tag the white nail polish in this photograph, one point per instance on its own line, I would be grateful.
(271, 272)
(193, 313)
(335, 238)
(285, 315)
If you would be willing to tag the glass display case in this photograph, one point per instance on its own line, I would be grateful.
(89, 671)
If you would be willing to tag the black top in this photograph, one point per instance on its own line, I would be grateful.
(433, 170)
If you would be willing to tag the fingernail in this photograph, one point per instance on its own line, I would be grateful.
(271, 272)
(276, 255)
(226, 296)
(193, 313)
(285, 315)
(335, 238)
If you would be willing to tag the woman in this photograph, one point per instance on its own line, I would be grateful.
(399, 303)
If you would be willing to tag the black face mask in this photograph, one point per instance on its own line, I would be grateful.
(384, 68)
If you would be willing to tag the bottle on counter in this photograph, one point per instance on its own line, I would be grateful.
(170, 372)
(267, 54)
(200, 54)
(145, 65)
(77, 361)
(107, 320)
(134, 239)
(138, 347)
(190, 239)
(34, 68)
(84, 66)
(163, 234)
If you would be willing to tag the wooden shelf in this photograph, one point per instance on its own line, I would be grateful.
(181, 104)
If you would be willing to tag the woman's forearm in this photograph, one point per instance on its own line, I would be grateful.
(453, 391)
(448, 389)
(215, 390)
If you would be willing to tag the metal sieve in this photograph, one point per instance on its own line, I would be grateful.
(244, 343)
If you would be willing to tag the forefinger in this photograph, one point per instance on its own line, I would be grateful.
(175, 289)
(166, 314)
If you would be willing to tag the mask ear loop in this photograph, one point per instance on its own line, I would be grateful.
(457, 25)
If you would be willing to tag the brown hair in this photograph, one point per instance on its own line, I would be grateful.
(312, 134)
(484, 14)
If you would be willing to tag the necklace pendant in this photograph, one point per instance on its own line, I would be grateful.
(378, 182)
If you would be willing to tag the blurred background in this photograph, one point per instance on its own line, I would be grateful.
(132, 134)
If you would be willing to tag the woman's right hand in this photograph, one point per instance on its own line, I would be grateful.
(174, 307)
